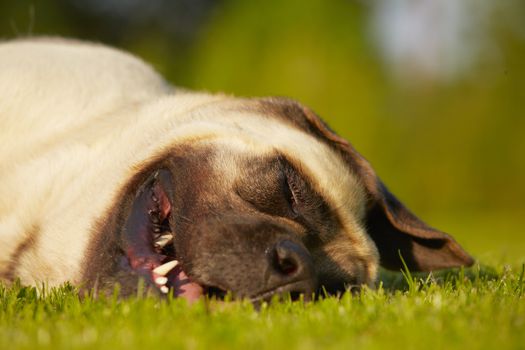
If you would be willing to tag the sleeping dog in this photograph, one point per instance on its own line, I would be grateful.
(110, 175)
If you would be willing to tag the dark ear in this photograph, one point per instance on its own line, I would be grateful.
(393, 228)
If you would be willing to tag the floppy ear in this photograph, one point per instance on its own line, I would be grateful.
(393, 228)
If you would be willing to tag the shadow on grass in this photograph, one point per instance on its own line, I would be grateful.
(402, 281)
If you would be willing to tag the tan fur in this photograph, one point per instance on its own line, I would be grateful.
(76, 122)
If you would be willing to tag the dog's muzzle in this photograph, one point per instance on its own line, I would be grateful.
(251, 257)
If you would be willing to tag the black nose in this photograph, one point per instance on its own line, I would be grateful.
(292, 270)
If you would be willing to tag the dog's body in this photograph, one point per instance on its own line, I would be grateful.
(90, 135)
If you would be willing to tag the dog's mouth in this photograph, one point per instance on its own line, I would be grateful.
(169, 275)
(148, 243)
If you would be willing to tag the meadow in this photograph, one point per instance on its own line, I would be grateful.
(482, 307)
(478, 308)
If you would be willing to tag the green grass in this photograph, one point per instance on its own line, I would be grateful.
(479, 308)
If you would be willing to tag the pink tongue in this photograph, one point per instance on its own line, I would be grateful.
(184, 288)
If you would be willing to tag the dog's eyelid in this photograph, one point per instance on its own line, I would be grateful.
(297, 189)
(293, 177)
(291, 194)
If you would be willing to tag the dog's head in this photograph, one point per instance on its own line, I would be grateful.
(263, 199)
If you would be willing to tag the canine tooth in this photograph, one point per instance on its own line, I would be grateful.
(164, 289)
(165, 268)
(161, 280)
(164, 239)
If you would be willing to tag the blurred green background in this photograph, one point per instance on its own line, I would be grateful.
(432, 92)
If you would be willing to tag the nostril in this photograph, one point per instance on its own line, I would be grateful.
(291, 271)
(286, 266)
(287, 259)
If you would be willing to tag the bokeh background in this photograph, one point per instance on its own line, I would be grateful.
(432, 92)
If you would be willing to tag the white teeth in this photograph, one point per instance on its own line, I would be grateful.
(161, 280)
(163, 240)
(163, 269)
(164, 289)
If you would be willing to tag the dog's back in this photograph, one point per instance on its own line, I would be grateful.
(52, 88)
(56, 98)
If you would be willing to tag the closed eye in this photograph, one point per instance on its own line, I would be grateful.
(274, 186)
(305, 204)
(292, 192)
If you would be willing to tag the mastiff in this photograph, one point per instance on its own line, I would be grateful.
(109, 175)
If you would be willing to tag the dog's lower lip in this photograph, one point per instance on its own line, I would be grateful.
(181, 285)
(170, 276)
(184, 287)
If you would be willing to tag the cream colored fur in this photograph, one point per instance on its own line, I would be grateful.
(76, 122)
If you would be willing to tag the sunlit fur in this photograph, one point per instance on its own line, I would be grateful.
(78, 120)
